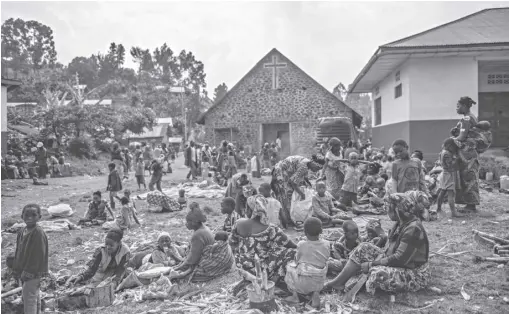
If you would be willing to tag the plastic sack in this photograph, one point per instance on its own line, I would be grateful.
(154, 272)
(60, 211)
(300, 210)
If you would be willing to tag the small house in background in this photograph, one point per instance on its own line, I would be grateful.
(158, 134)
(7, 84)
(22, 107)
(175, 142)
(416, 81)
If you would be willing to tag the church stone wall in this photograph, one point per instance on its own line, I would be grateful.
(298, 100)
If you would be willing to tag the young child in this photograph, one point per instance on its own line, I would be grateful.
(127, 194)
(255, 166)
(273, 205)
(449, 157)
(228, 209)
(140, 173)
(221, 236)
(167, 252)
(368, 186)
(352, 181)
(31, 258)
(323, 206)
(123, 220)
(308, 273)
(157, 175)
(205, 165)
(98, 210)
(114, 184)
(349, 241)
(407, 173)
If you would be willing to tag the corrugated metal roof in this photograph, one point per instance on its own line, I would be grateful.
(15, 104)
(157, 131)
(174, 140)
(164, 121)
(488, 26)
(88, 102)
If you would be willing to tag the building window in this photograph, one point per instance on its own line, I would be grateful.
(397, 76)
(498, 79)
(398, 91)
(378, 111)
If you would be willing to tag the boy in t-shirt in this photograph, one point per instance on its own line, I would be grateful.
(273, 205)
(407, 173)
(308, 273)
(323, 206)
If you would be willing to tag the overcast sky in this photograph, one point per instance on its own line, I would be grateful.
(331, 41)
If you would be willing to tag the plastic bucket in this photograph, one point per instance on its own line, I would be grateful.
(504, 182)
(265, 301)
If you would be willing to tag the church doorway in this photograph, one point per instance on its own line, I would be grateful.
(271, 132)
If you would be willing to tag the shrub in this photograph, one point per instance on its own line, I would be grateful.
(81, 147)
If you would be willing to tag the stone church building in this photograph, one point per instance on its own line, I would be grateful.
(274, 99)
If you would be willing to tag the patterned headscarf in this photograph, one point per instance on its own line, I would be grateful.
(258, 204)
(408, 205)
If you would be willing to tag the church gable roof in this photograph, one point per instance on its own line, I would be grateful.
(489, 26)
(260, 64)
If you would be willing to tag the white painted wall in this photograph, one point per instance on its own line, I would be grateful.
(4, 108)
(438, 83)
(394, 110)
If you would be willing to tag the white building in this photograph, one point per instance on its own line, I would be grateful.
(7, 84)
(416, 81)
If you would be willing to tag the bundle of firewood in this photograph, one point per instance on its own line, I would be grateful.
(499, 245)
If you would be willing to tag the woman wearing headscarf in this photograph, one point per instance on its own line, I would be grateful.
(108, 261)
(473, 138)
(334, 177)
(403, 265)
(205, 259)
(256, 236)
(288, 176)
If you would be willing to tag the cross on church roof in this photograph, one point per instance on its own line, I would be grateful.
(274, 65)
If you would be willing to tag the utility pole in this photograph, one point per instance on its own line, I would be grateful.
(181, 90)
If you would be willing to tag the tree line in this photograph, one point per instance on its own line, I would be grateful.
(28, 49)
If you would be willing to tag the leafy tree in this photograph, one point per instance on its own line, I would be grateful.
(27, 45)
(359, 102)
(220, 92)
(87, 69)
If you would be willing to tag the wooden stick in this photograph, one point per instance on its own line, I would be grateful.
(12, 292)
(492, 237)
(486, 240)
(447, 256)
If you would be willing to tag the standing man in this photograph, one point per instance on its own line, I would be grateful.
(42, 160)
(191, 159)
(278, 143)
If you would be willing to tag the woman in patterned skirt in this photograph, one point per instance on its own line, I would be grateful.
(472, 141)
(257, 237)
(403, 266)
(288, 176)
(334, 177)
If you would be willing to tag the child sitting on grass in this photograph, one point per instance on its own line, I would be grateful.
(167, 252)
(273, 205)
(308, 273)
(123, 220)
(31, 258)
(342, 248)
(228, 209)
(97, 212)
(323, 206)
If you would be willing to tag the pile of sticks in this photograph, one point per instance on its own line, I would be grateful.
(499, 245)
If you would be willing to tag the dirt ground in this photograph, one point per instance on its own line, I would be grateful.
(486, 283)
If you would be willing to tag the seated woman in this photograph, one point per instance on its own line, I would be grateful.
(255, 236)
(403, 266)
(108, 261)
(205, 261)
